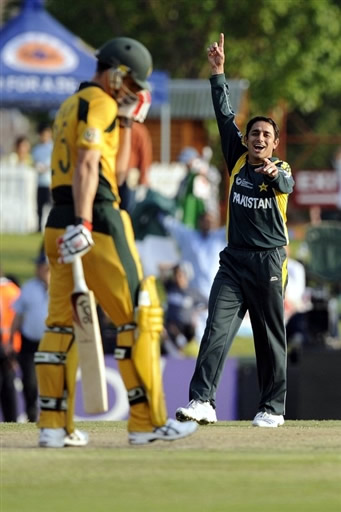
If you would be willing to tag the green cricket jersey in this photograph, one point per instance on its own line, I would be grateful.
(256, 217)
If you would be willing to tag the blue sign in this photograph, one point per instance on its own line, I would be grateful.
(159, 81)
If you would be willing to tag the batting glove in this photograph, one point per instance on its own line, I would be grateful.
(143, 106)
(138, 109)
(76, 241)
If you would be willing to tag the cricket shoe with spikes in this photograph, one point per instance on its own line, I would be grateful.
(52, 437)
(171, 431)
(57, 438)
(77, 438)
(197, 410)
(265, 419)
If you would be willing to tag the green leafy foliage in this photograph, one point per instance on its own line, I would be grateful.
(288, 49)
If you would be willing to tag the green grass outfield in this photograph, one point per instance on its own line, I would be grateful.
(229, 466)
(18, 253)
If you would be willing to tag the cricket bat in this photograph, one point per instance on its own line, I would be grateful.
(89, 343)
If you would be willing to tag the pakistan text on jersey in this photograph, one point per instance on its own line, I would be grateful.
(252, 202)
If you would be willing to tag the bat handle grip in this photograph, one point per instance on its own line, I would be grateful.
(78, 275)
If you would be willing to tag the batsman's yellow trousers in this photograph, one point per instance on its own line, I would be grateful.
(113, 272)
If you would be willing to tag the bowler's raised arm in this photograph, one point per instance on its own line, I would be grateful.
(216, 56)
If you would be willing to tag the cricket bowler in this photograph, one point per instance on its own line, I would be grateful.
(253, 267)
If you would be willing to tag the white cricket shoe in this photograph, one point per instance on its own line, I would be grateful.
(58, 438)
(77, 438)
(52, 437)
(197, 410)
(265, 419)
(171, 431)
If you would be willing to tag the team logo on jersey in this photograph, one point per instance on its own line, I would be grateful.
(39, 52)
(243, 183)
(263, 187)
(285, 167)
(92, 135)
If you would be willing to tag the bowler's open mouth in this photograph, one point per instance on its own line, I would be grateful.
(258, 147)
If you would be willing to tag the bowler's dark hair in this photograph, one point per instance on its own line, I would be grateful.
(262, 118)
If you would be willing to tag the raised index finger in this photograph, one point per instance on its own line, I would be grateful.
(221, 41)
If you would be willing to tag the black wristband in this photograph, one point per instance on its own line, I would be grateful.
(86, 223)
(125, 122)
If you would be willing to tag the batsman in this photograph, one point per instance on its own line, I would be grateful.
(92, 144)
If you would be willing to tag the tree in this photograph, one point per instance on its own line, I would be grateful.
(289, 50)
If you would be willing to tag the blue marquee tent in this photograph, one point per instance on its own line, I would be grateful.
(42, 63)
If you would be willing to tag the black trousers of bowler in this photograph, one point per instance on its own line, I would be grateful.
(253, 281)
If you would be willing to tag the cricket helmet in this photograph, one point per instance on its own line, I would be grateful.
(128, 55)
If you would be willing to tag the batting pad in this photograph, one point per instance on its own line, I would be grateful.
(146, 350)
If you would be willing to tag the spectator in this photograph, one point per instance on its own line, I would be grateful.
(141, 158)
(9, 292)
(296, 304)
(200, 247)
(182, 307)
(194, 188)
(198, 191)
(31, 310)
(18, 189)
(8, 398)
(21, 155)
(41, 154)
(296, 287)
(214, 178)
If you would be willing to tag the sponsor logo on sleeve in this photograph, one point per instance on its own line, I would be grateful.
(92, 135)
